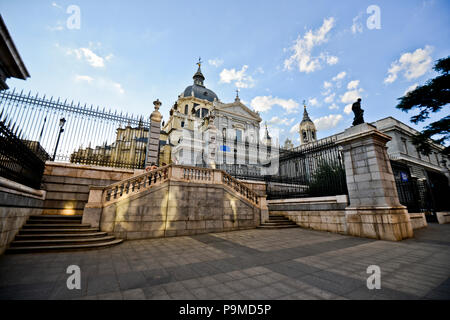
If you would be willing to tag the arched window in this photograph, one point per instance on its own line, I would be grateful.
(186, 109)
(204, 112)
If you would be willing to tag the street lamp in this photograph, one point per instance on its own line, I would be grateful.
(62, 121)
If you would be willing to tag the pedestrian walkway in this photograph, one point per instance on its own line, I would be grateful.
(250, 264)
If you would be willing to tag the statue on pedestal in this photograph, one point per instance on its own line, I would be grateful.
(359, 113)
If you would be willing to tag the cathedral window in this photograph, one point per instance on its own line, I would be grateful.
(186, 109)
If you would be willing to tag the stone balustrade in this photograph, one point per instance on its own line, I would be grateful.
(121, 190)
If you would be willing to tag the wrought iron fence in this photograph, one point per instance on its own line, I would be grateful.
(312, 170)
(21, 161)
(71, 132)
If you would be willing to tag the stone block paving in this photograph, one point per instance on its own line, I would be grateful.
(249, 264)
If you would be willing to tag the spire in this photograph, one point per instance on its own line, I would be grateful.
(305, 115)
(198, 76)
(237, 96)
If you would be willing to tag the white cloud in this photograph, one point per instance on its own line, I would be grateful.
(333, 107)
(332, 60)
(281, 121)
(329, 98)
(327, 122)
(260, 70)
(412, 64)
(327, 84)
(101, 83)
(302, 49)
(295, 128)
(215, 62)
(410, 88)
(87, 54)
(351, 96)
(357, 26)
(241, 80)
(348, 108)
(265, 103)
(353, 84)
(79, 78)
(54, 4)
(340, 76)
(313, 102)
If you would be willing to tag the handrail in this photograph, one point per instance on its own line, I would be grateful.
(134, 184)
(239, 187)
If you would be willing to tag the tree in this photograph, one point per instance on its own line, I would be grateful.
(430, 97)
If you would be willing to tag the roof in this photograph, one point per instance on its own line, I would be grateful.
(10, 60)
(198, 89)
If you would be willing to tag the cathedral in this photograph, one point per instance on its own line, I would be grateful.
(196, 114)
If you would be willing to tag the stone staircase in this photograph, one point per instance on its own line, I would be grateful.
(278, 222)
(48, 233)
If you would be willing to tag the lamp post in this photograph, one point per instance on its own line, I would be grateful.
(62, 121)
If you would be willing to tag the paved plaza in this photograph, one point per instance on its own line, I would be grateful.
(249, 264)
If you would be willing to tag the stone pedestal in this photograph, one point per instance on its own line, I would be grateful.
(374, 210)
(153, 135)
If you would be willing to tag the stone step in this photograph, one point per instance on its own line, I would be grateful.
(42, 236)
(278, 219)
(54, 221)
(264, 226)
(279, 222)
(70, 241)
(62, 211)
(70, 247)
(58, 230)
(55, 225)
(56, 216)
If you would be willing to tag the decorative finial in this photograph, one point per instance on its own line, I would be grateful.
(304, 103)
(237, 93)
(199, 63)
(157, 104)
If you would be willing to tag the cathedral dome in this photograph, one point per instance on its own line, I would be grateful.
(200, 92)
(198, 89)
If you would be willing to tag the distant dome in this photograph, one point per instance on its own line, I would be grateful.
(200, 92)
(199, 89)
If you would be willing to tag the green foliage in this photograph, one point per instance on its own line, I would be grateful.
(329, 179)
(430, 97)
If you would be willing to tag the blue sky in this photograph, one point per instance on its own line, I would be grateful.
(278, 53)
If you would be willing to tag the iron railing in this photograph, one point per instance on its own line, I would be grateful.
(90, 135)
(20, 160)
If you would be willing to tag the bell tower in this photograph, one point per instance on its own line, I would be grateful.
(308, 132)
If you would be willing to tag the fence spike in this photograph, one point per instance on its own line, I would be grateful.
(14, 90)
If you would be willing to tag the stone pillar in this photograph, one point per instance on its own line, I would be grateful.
(374, 210)
(92, 212)
(153, 135)
(211, 147)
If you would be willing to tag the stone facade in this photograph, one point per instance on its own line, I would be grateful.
(180, 201)
(67, 185)
(17, 203)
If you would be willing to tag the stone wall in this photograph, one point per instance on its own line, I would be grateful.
(17, 203)
(321, 213)
(176, 208)
(418, 220)
(67, 185)
(443, 217)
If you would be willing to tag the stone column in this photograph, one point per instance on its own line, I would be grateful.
(374, 210)
(153, 135)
